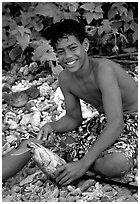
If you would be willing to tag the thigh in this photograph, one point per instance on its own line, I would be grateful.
(127, 142)
(111, 165)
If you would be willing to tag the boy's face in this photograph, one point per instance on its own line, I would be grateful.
(71, 52)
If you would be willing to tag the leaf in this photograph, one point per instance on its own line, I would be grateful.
(26, 17)
(98, 9)
(43, 51)
(89, 16)
(112, 12)
(38, 26)
(126, 27)
(22, 30)
(16, 51)
(134, 26)
(97, 16)
(46, 9)
(135, 36)
(117, 24)
(23, 40)
(73, 6)
(105, 28)
(56, 69)
(105, 38)
(88, 6)
(100, 30)
(122, 10)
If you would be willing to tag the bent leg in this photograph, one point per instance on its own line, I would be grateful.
(112, 165)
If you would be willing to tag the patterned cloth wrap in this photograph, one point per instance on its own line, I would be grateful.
(75, 144)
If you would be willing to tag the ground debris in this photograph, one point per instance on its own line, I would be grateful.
(30, 184)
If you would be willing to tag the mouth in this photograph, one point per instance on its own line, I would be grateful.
(72, 62)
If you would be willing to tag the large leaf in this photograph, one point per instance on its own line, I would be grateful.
(46, 9)
(26, 18)
(106, 27)
(43, 51)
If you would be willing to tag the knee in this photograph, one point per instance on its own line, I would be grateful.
(112, 165)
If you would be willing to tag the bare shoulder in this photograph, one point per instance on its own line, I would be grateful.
(105, 66)
(64, 79)
(102, 67)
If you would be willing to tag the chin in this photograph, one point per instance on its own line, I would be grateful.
(73, 69)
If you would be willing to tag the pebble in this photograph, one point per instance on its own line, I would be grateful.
(70, 188)
(39, 190)
(104, 199)
(107, 188)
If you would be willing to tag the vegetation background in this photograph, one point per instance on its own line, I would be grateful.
(112, 28)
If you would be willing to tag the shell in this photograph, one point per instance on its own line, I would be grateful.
(46, 160)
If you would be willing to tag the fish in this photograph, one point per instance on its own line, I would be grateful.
(46, 160)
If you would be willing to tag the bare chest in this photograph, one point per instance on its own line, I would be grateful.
(88, 92)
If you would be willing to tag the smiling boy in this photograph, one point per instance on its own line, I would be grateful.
(107, 87)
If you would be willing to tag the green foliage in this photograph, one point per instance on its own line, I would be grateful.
(112, 27)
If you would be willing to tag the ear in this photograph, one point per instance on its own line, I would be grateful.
(85, 44)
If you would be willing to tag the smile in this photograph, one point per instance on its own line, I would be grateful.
(71, 62)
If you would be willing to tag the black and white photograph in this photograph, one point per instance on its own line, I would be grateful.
(70, 101)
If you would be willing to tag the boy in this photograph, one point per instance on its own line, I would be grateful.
(107, 87)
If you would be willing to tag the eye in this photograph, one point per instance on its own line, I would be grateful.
(73, 47)
(60, 52)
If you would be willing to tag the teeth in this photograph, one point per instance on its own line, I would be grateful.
(72, 62)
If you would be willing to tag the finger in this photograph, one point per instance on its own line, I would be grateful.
(64, 179)
(59, 170)
(61, 177)
(66, 183)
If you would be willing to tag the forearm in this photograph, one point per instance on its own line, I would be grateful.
(106, 139)
(65, 124)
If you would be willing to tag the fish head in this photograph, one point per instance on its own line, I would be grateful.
(38, 154)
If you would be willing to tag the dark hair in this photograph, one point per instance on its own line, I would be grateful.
(64, 28)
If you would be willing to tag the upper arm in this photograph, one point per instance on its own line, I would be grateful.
(72, 103)
(111, 94)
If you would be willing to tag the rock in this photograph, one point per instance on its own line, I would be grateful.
(32, 92)
(107, 188)
(17, 99)
(28, 179)
(16, 188)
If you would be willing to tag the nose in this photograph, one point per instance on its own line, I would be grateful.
(68, 54)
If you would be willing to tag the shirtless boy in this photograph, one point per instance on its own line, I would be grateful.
(107, 87)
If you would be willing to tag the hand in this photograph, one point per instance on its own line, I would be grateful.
(70, 172)
(44, 132)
